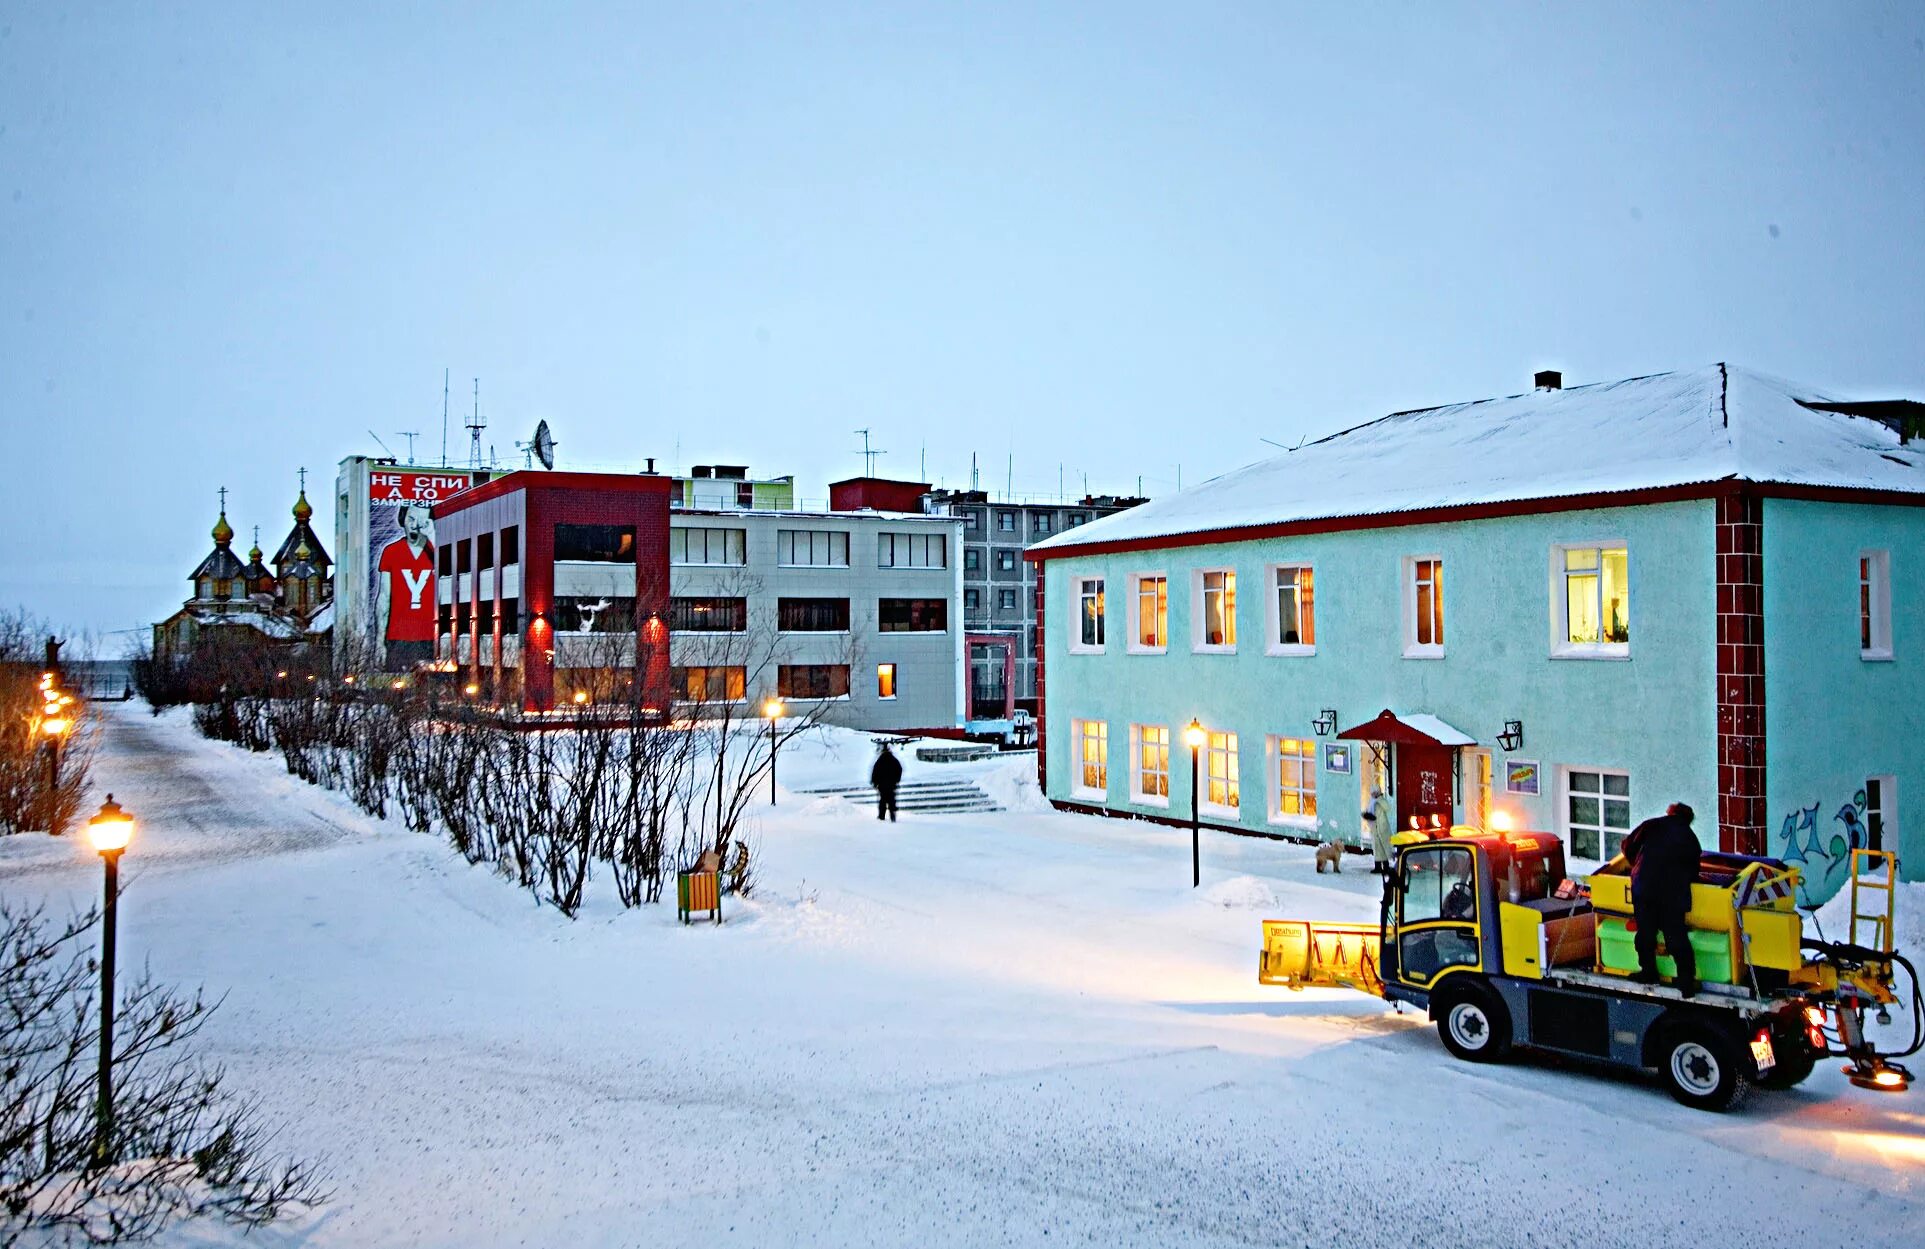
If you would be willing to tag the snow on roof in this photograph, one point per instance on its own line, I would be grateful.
(1668, 429)
(1383, 728)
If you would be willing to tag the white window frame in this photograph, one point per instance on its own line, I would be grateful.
(1198, 593)
(786, 543)
(1135, 645)
(919, 551)
(1273, 618)
(1077, 592)
(735, 538)
(1138, 794)
(1875, 585)
(1561, 645)
(1413, 649)
(1080, 736)
(1564, 825)
(1230, 752)
(1274, 756)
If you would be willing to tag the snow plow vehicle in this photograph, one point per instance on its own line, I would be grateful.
(1486, 933)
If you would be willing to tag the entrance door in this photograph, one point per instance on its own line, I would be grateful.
(1424, 784)
(1375, 767)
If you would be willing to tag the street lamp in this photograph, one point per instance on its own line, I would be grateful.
(110, 831)
(1194, 737)
(772, 708)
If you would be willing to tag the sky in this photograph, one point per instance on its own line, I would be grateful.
(1085, 244)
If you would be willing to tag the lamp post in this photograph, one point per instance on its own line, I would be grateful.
(110, 831)
(773, 710)
(1194, 736)
(55, 720)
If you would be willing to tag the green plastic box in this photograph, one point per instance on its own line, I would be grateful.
(1617, 951)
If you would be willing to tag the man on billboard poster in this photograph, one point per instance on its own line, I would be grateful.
(404, 604)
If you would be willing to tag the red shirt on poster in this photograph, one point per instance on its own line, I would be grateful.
(410, 575)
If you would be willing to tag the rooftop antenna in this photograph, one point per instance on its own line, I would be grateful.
(475, 426)
(974, 481)
(1009, 482)
(410, 435)
(869, 455)
(382, 445)
(444, 415)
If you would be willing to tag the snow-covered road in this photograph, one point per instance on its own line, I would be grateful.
(1015, 1028)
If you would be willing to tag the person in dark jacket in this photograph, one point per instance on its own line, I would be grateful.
(885, 776)
(1663, 853)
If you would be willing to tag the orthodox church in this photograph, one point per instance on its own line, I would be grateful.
(290, 603)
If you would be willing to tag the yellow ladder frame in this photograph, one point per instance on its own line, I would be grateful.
(1872, 883)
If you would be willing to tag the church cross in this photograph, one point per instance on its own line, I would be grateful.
(223, 500)
(303, 480)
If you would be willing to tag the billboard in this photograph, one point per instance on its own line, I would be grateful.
(401, 560)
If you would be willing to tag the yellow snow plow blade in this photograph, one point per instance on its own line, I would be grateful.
(1299, 954)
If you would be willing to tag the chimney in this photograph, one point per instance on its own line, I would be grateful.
(650, 470)
(1548, 379)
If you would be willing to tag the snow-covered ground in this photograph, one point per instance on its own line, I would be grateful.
(1014, 1028)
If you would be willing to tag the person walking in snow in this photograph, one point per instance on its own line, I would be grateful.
(1377, 828)
(885, 776)
(1663, 853)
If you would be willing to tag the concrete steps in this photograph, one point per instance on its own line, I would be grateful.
(931, 797)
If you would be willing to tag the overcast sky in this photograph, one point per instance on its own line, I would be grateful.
(1114, 239)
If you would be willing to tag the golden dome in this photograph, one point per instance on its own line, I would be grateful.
(303, 510)
(223, 532)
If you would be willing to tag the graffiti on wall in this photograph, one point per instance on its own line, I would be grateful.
(1822, 850)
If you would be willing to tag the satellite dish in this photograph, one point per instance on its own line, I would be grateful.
(540, 447)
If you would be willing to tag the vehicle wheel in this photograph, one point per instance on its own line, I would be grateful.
(1706, 1069)
(1796, 1061)
(1474, 1024)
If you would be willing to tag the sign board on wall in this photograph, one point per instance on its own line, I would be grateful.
(401, 560)
(1520, 776)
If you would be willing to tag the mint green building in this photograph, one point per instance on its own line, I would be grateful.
(1572, 606)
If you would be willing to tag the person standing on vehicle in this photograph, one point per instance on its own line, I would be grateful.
(1663, 853)
(1377, 827)
(885, 776)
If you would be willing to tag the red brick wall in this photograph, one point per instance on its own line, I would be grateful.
(1741, 674)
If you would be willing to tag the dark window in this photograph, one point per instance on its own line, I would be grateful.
(600, 544)
(461, 617)
(447, 560)
(972, 559)
(510, 617)
(464, 555)
(972, 600)
(812, 680)
(445, 619)
(511, 545)
(485, 616)
(484, 552)
(912, 615)
(708, 615)
(1006, 600)
(812, 615)
(744, 494)
(594, 614)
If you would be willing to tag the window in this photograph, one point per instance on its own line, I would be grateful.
(912, 550)
(973, 521)
(708, 615)
(446, 560)
(1221, 792)
(1293, 798)
(1075, 519)
(1293, 608)
(484, 552)
(1424, 608)
(745, 494)
(1006, 522)
(594, 614)
(1087, 603)
(1431, 880)
(462, 616)
(601, 544)
(464, 555)
(485, 616)
(912, 615)
(812, 615)
(511, 545)
(510, 617)
(1092, 777)
(812, 680)
(1005, 561)
(811, 548)
(713, 684)
(1216, 617)
(1597, 812)
(1593, 604)
(1881, 812)
(705, 546)
(1039, 523)
(885, 680)
(445, 619)
(1006, 600)
(972, 559)
(972, 601)
(1150, 752)
(1150, 613)
(1875, 605)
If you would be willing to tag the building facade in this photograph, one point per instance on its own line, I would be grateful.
(290, 602)
(384, 582)
(1574, 605)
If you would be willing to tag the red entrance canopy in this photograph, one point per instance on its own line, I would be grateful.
(1417, 729)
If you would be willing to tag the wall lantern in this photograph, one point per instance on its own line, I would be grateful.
(1512, 738)
(1326, 722)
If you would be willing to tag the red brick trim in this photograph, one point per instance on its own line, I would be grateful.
(1741, 673)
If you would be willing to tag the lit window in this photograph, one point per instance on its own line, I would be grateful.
(1596, 600)
(1089, 614)
(1220, 787)
(1295, 625)
(1151, 610)
(1092, 757)
(1875, 605)
(1150, 779)
(1597, 812)
(1424, 608)
(885, 680)
(1294, 799)
(1217, 619)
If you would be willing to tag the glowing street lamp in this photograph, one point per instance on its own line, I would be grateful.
(772, 708)
(1193, 736)
(110, 831)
